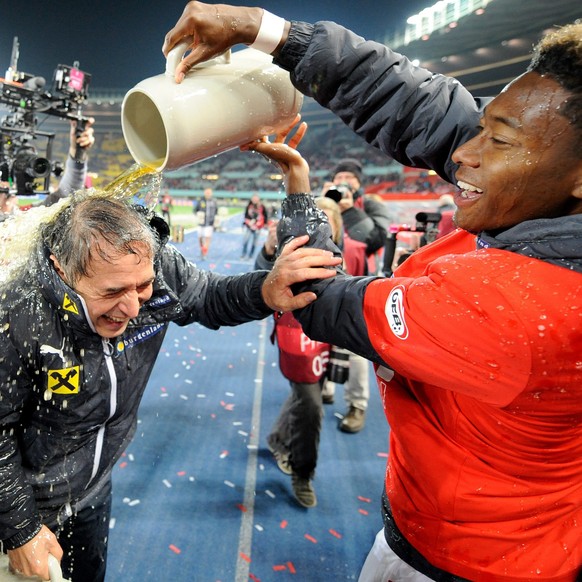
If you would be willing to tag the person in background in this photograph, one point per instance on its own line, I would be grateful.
(206, 210)
(365, 220)
(166, 204)
(476, 339)
(8, 203)
(294, 437)
(75, 174)
(81, 327)
(254, 220)
(447, 209)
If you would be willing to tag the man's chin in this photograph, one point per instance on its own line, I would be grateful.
(109, 330)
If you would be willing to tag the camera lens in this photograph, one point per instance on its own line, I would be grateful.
(41, 167)
(334, 194)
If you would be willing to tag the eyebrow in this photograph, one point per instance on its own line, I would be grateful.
(114, 290)
(512, 122)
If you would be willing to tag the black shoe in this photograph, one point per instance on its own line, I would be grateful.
(354, 420)
(303, 491)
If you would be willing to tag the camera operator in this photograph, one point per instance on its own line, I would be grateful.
(73, 178)
(76, 165)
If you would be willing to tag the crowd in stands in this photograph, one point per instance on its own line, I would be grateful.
(234, 171)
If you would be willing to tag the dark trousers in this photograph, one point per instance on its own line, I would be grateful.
(83, 538)
(297, 429)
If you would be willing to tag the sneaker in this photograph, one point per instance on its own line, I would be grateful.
(354, 420)
(282, 460)
(303, 491)
(327, 398)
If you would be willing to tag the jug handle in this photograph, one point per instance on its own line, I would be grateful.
(55, 571)
(177, 53)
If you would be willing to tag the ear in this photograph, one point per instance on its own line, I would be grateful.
(58, 268)
(577, 190)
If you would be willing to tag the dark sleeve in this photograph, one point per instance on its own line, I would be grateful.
(211, 299)
(337, 315)
(19, 518)
(416, 117)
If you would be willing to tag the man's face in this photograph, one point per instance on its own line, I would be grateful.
(115, 290)
(347, 178)
(522, 165)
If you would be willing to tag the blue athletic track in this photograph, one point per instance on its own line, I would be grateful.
(197, 494)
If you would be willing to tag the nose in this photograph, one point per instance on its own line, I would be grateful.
(468, 153)
(130, 304)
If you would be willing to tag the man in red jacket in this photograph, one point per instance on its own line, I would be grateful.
(476, 340)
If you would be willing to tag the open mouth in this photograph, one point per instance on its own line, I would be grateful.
(468, 191)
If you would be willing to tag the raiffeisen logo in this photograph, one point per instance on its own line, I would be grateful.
(395, 312)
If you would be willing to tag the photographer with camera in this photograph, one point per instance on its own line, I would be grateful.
(365, 220)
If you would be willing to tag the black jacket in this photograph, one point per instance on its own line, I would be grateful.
(69, 398)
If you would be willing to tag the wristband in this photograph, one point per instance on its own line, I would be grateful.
(270, 33)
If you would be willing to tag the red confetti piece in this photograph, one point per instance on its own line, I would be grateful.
(364, 499)
(123, 465)
(363, 511)
(279, 568)
(291, 568)
(181, 473)
(385, 455)
(175, 549)
(245, 557)
(335, 534)
(223, 454)
(310, 538)
(241, 507)
(283, 524)
(254, 578)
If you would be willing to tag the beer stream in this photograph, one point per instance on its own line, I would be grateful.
(19, 234)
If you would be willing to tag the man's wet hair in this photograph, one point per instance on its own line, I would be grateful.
(558, 56)
(98, 226)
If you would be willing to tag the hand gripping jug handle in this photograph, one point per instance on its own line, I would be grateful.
(177, 54)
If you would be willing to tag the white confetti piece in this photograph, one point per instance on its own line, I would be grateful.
(167, 483)
(229, 483)
(270, 494)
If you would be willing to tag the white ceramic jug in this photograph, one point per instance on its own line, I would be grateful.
(221, 104)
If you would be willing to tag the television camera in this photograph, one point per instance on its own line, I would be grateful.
(24, 165)
(426, 223)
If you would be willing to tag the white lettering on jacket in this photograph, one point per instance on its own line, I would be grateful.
(394, 311)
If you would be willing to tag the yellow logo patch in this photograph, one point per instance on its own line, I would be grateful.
(64, 381)
(70, 305)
